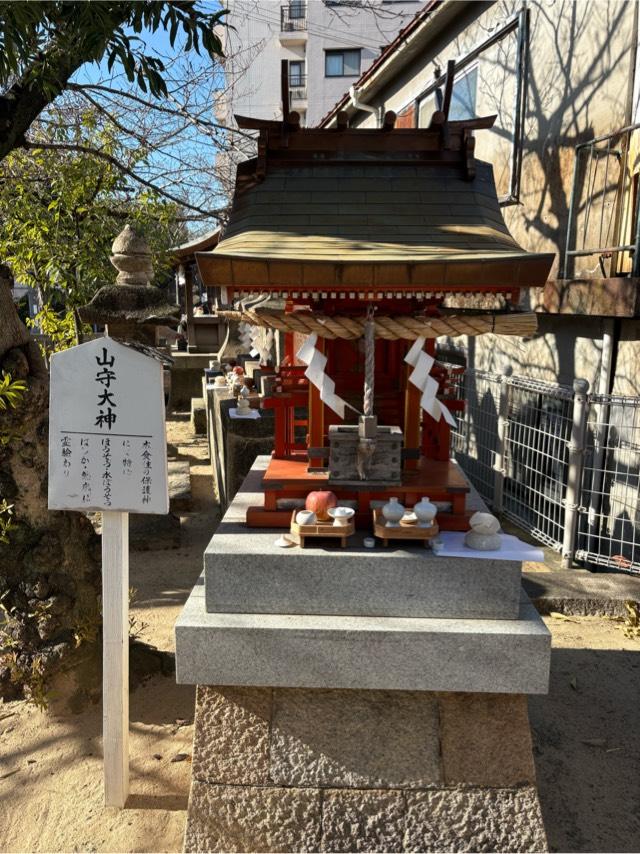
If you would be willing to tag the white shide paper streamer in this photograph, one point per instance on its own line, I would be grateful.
(316, 363)
(422, 363)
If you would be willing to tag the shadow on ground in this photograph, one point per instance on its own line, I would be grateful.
(587, 750)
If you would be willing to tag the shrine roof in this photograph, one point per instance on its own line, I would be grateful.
(358, 208)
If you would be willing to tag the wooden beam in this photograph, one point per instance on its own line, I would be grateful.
(342, 120)
(448, 88)
(316, 416)
(389, 121)
(188, 291)
(412, 418)
(284, 88)
(610, 297)
(248, 123)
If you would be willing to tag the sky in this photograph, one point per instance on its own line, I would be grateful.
(191, 147)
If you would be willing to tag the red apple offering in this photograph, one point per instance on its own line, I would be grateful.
(320, 502)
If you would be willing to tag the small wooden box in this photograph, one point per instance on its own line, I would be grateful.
(401, 532)
(299, 533)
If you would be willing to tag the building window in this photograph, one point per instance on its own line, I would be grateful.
(463, 96)
(342, 63)
(491, 78)
(463, 99)
(296, 74)
(297, 9)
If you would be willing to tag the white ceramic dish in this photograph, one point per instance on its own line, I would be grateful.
(341, 515)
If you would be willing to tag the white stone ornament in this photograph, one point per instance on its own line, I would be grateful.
(393, 512)
(426, 512)
(107, 438)
(483, 536)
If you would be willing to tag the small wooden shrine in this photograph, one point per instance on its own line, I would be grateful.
(359, 241)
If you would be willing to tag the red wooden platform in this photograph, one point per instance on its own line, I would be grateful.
(439, 480)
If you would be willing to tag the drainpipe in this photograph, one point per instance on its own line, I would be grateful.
(360, 106)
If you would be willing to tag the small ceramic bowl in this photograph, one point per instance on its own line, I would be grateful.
(409, 518)
(306, 517)
(341, 515)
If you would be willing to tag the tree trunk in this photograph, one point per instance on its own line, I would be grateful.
(50, 569)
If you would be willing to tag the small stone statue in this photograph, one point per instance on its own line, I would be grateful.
(483, 536)
(243, 401)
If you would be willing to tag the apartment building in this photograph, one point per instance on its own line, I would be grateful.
(327, 44)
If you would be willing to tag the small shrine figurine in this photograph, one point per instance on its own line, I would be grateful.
(483, 536)
(244, 407)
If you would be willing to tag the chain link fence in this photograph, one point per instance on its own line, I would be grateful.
(561, 464)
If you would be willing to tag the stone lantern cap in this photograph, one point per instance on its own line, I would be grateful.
(131, 257)
(132, 299)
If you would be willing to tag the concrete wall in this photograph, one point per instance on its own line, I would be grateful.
(579, 86)
(565, 348)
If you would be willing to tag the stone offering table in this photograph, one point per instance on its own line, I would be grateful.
(373, 699)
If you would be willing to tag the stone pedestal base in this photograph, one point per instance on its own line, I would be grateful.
(291, 769)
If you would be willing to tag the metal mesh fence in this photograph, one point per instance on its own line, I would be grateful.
(536, 457)
(609, 513)
(535, 463)
(474, 440)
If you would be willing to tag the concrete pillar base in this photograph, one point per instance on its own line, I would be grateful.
(292, 769)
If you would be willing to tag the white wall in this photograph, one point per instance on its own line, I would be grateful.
(254, 50)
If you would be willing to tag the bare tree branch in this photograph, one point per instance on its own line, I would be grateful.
(125, 170)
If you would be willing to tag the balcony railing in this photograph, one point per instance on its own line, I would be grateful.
(603, 226)
(297, 88)
(293, 17)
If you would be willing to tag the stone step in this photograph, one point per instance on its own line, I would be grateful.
(198, 416)
(152, 532)
(503, 656)
(180, 499)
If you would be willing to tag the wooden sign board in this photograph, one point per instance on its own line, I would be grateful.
(107, 451)
(107, 440)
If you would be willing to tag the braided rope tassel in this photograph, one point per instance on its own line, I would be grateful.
(369, 361)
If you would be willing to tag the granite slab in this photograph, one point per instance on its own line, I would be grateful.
(313, 651)
(245, 572)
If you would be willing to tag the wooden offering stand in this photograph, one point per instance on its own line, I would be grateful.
(403, 531)
(299, 533)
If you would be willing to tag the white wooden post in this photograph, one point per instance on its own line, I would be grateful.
(499, 465)
(574, 476)
(115, 656)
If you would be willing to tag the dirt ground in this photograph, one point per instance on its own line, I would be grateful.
(586, 733)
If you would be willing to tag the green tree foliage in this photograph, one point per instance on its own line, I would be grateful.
(43, 44)
(63, 208)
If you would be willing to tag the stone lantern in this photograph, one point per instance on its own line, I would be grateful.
(132, 308)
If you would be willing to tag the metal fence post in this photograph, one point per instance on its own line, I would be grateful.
(573, 491)
(499, 466)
